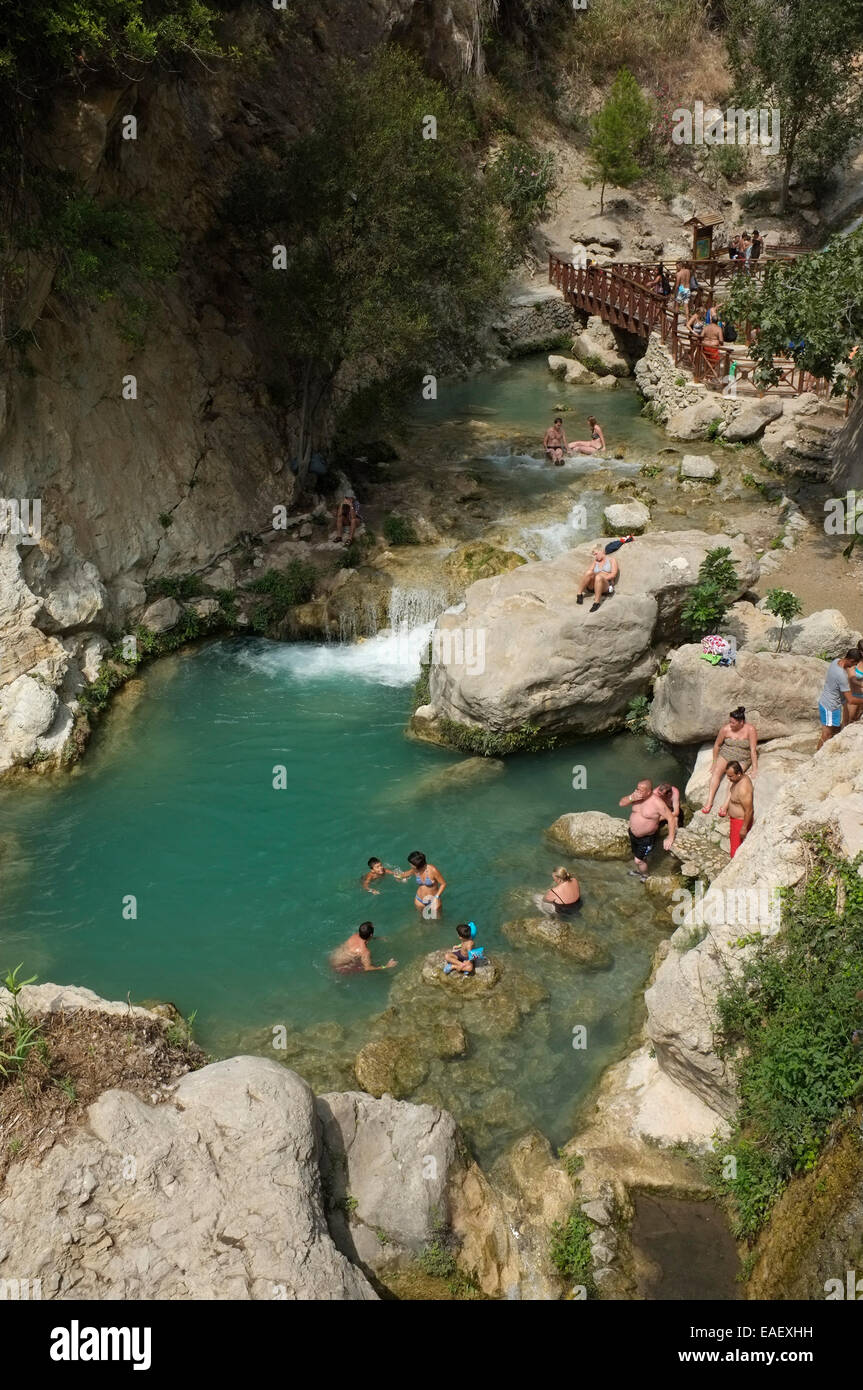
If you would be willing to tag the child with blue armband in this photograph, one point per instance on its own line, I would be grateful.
(463, 956)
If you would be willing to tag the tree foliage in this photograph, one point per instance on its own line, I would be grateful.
(810, 310)
(392, 251)
(802, 59)
(617, 133)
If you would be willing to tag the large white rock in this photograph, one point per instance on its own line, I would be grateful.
(597, 349)
(27, 709)
(521, 651)
(693, 421)
(225, 1202)
(693, 699)
(591, 835)
(752, 417)
(162, 615)
(75, 598)
(626, 518)
(700, 467)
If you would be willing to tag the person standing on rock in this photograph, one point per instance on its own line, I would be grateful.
(737, 741)
(648, 809)
(739, 806)
(836, 695)
(594, 445)
(601, 578)
(554, 443)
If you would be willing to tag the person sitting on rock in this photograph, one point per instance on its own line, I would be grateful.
(737, 741)
(354, 956)
(594, 445)
(347, 516)
(554, 443)
(648, 809)
(563, 898)
(460, 957)
(738, 806)
(601, 578)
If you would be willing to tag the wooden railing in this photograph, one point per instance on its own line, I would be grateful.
(622, 296)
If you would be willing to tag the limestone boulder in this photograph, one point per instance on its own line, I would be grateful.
(693, 699)
(485, 978)
(386, 1167)
(75, 598)
(825, 634)
(573, 372)
(752, 418)
(27, 710)
(693, 421)
(479, 560)
(591, 835)
(162, 615)
(530, 655)
(225, 1201)
(566, 937)
(596, 348)
(625, 518)
(699, 468)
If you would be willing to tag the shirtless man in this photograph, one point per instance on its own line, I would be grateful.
(601, 578)
(712, 339)
(738, 806)
(554, 443)
(354, 955)
(648, 809)
(681, 289)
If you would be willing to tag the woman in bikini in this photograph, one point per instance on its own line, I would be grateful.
(594, 445)
(430, 884)
(852, 712)
(736, 742)
(564, 896)
(601, 578)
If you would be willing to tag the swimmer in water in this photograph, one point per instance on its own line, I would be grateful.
(430, 884)
(376, 870)
(353, 956)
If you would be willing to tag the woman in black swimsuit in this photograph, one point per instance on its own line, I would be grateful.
(564, 896)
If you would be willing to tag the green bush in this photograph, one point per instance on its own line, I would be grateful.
(398, 531)
(479, 742)
(789, 1019)
(710, 598)
(569, 1248)
(523, 181)
(281, 590)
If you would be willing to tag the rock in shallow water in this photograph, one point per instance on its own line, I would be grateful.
(567, 938)
(592, 834)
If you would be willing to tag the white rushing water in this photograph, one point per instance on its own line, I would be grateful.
(391, 657)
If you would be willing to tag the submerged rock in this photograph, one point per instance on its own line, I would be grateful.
(699, 467)
(449, 779)
(566, 937)
(479, 560)
(391, 1066)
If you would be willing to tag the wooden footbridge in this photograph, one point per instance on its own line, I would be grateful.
(622, 295)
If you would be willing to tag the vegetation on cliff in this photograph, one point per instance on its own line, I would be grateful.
(794, 1021)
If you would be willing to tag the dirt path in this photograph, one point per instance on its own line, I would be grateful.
(818, 573)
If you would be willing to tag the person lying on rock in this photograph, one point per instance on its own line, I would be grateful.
(601, 578)
(648, 809)
(563, 898)
(739, 806)
(554, 442)
(354, 956)
(461, 957)
(737, 741)
(594, 445)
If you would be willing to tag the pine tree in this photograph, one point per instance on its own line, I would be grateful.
(617, 132)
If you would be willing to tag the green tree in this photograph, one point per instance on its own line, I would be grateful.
(783, 605)
(392, 249)
(811, 309)
(617, 132)
(709, 598)
(801, 59)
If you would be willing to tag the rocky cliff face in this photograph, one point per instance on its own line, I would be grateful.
(140, 479)
(236, 1182)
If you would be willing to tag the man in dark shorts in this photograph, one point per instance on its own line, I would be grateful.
(648, 809)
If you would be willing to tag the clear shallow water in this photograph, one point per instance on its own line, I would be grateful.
(242, 890)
